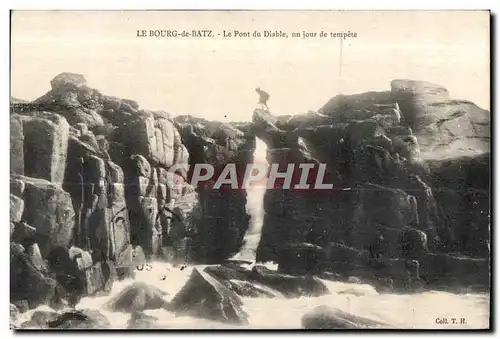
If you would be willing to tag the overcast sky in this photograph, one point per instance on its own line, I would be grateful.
(215, 78)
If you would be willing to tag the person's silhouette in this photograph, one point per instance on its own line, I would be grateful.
(263, 97)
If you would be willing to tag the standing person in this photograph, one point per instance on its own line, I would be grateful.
(263, 97)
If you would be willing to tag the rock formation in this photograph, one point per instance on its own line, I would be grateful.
(410, 175)
(91, 172)
(91, 195)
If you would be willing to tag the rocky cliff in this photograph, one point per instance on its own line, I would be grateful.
(410, 174)
(90, 173)
(90, 195)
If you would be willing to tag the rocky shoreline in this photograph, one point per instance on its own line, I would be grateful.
(89, 200)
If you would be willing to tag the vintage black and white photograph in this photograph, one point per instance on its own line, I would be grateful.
(250, 169)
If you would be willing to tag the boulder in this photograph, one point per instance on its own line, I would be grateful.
(67, 273)
(80, 273)
(81, 258)
(80, 319)
(29, 283)
(138, 297)
(328, 318)
(413, 98)
(152, 137)
(49, 210)
(413, 243)
(341, 107)
(46, 138)
(117, 105)
(405, 143)
(99, 277)
(71, 98)
(65, 79)
(205, 297)
(443, 127)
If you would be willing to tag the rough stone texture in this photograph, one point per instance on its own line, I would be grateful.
(463, 192)
(141, 191)
(185, 222)
(224, 218)
(49, 210)
(23, 233)
(29, 283)
(138, 297)
(79, 273)
(410, 169)
(401, 188)
(71, 98)
(45, 145)
(16, 145)
(413, 98)
(96, 186)
(65, 79)
(154, 138)
(16, 208)
(205, 297)
(35, 256)
(17, 187)
(444, 127)
(341, 105)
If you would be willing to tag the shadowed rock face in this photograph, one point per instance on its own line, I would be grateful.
(396, 161)
(463, 190)
(27, 282)
(223, 211)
